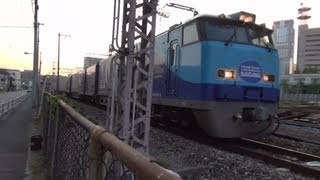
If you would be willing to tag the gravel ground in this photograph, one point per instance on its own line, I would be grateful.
(178, 154)
(90, 112)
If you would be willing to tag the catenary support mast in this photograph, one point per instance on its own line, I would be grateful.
(129, 105)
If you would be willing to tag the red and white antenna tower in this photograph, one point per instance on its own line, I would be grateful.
(303, 14)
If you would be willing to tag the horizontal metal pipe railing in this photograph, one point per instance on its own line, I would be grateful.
(135, 161)
(10, 104)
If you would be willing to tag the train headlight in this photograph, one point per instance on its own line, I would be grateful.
(227, 73)
(243, 16)
(268, 78)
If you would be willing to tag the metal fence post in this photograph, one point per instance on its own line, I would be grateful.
(96, 157)
(55, 140)
(2, 110)
(8, 108)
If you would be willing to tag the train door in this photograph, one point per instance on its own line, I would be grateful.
(172, 60)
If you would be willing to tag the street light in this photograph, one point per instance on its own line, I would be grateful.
(39, 72)
(59, 35)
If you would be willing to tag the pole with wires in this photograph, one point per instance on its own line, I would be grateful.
(35, 58)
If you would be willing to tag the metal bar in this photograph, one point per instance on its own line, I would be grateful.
(35, 58)
(42, 95)
(139, 164)
(58, 68)
(281, 162)
(54, 144)
(281, 150)
(295, 138)
(2, 109)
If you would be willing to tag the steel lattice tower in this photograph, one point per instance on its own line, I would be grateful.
(129, 106)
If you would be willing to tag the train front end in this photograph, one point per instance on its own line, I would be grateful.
(239, 77)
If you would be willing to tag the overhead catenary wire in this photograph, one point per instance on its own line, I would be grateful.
(17, 27)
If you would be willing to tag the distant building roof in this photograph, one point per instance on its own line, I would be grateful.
(4, 72)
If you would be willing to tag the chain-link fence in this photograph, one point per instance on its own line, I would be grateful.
(75, 148)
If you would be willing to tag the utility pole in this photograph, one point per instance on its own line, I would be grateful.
(40, 64)
(35, 58)
(58, 62)
(59, 35)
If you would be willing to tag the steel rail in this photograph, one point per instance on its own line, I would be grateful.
(296, 167)
(285, 136)
(280, 150)
(301, 124)
(135, 161)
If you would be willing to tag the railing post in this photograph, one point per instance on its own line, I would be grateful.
(96, 155)
(2, 110)
(59, 116)
(8, 108)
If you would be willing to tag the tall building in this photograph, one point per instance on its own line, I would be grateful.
(308, 47)
(89, 61)
(284, 41)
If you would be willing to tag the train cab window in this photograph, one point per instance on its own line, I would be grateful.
(190, 34)
(224, 31)
(260, 37)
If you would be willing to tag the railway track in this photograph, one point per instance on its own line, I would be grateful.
(285, 136)
(302, 123)
(271, 154)
(296, 161)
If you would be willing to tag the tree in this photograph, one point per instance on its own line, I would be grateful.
(285, 86)
(297, 71)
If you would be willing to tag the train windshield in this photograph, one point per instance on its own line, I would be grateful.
(235, 31)
(260, 36)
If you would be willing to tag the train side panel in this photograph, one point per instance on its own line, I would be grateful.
(81, 89)
(90, 81)
(104, 80)
(63, 80)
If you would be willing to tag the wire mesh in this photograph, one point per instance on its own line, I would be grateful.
(72, 150)
(65, 144)
(75, 148)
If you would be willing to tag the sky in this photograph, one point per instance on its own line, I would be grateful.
(89, 23)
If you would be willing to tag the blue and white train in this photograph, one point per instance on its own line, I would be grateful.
(221, 71)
